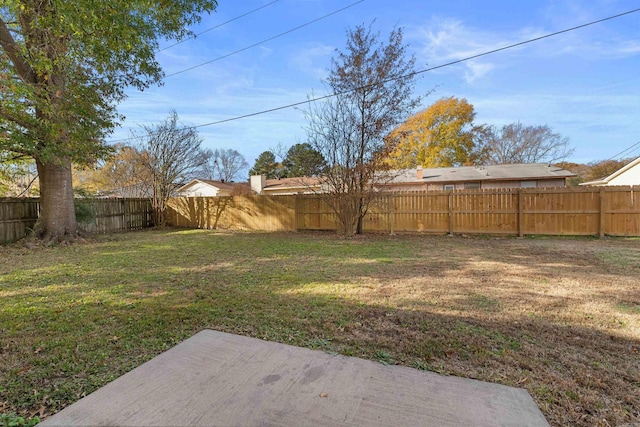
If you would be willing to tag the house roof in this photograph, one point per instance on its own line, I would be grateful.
(139, 190)
(291, 183)
(484, 173)
(613, 175)
(220, 185)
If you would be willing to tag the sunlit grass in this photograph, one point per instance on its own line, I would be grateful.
(557, 316)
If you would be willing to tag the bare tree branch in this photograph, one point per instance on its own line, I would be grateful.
(170, 154)
(517, 143)
(348, 130)
(224, 164)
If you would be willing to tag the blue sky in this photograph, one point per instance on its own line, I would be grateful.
(584, 84)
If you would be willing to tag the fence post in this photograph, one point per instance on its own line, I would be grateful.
(450, 213)
(602, 212)
(520, 213)
(124, 214)
(392, 208)
(301, 211)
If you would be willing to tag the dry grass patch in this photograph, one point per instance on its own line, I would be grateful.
(559, 317)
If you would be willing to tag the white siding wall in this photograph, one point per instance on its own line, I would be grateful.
(200, 189)
(628, 177)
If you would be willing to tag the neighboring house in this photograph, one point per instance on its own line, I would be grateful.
(133, 191)
(285, 186)
(536, 175)
(437, 179)
(627, 175)
(210, 188)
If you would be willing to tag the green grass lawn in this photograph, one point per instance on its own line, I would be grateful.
(559, 317)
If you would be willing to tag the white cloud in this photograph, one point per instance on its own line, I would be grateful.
(615, 49)
(477, 70)
(265, 52)
(313, 59)
(195, 106)
(445, 40)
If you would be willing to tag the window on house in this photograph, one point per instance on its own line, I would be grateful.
(528, 184)
(449, 187)
(471, 185)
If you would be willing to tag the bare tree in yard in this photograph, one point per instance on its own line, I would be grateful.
(372, 82)
(64, 65)
(120, 175)
(169, 154)
(224, 165)
(517, 143)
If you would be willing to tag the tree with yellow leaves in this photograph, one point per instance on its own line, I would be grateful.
(443, 135)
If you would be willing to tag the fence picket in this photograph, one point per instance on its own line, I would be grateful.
(613, 211)
(19, 216)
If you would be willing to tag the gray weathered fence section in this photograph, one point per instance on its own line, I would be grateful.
(19, 216)
(113, 215)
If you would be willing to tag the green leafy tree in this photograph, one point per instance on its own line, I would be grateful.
(63, 67)
(303, 160)
(266, 164)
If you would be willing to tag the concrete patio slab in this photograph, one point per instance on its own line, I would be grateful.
(219, 379)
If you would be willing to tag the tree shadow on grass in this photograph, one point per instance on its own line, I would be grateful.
(380, 303)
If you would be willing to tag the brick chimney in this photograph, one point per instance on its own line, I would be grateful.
(419, 173)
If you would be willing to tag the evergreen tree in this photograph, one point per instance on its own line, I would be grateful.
(303, 160)
(266, 165)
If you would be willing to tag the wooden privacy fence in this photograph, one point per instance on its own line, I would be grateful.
(600, 211)
(260, 213)
(613, 211)
(112, 215)
(19, 216)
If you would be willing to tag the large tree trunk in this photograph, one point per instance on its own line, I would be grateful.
(57, 214)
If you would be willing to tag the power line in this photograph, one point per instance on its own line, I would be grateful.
(511, 46)
(628, 151)
(217, 26)
(530, 40)
(421, 71)
(264, 41)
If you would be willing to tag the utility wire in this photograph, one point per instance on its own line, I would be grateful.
(217, 26)
(628, 151)
(421, 71)
(468, 58)
(264, 41)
